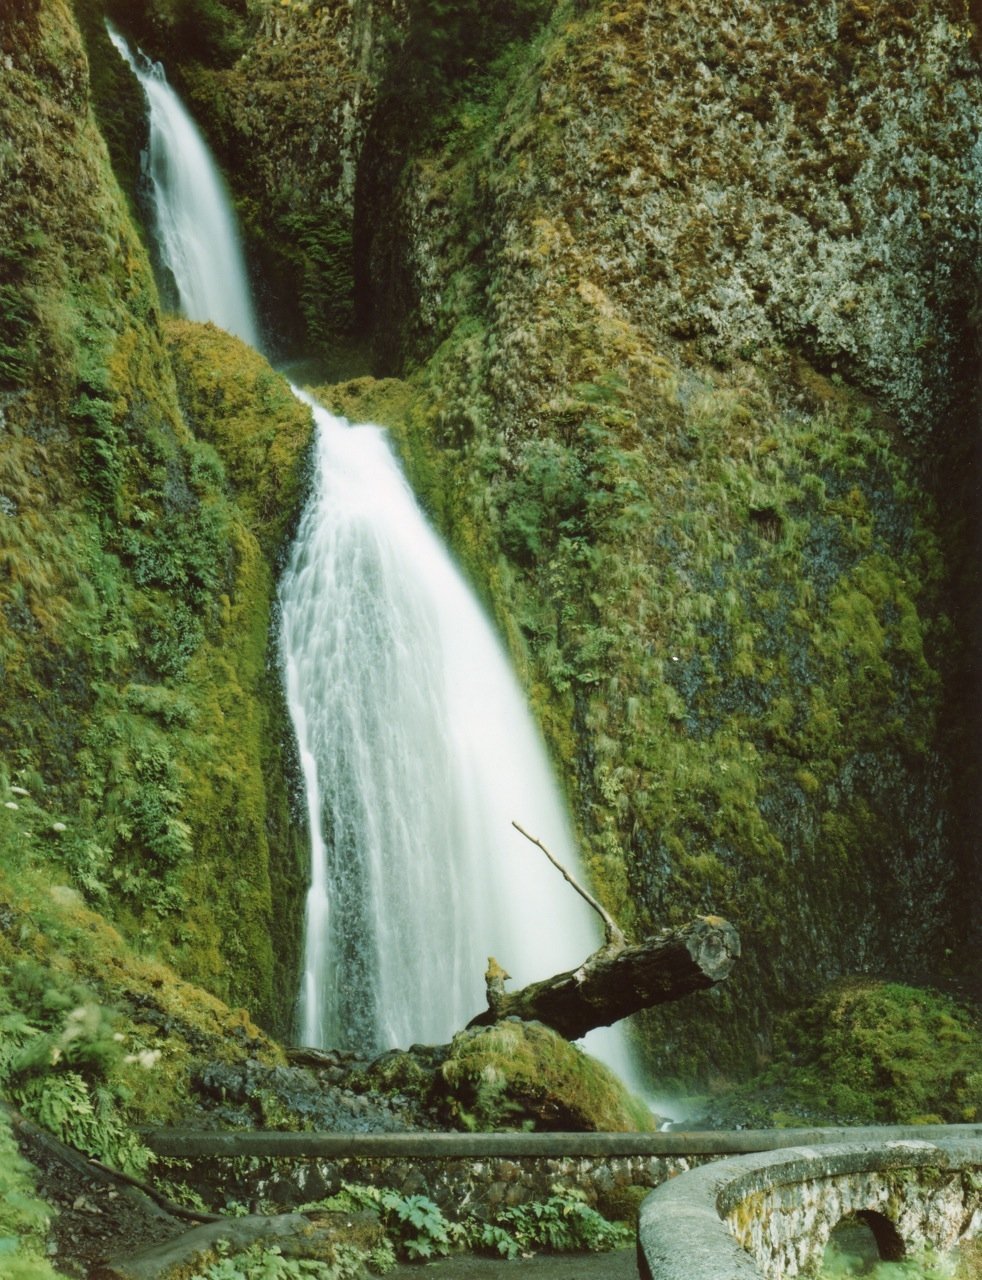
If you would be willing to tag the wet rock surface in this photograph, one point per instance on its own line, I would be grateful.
(330, 1096)
(95, 1217)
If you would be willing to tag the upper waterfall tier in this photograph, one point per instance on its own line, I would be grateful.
(195, 225)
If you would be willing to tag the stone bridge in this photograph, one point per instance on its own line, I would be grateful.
(771, 1214)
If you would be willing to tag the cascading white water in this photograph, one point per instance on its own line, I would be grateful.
(416, 745)
(195, 225)
(418, 752)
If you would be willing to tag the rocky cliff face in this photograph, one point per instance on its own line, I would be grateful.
(675, 303)
(289, 120)
(681, 297)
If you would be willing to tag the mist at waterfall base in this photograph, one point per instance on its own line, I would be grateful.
(416, 746)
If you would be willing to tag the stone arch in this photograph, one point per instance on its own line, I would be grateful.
(888, 1239)
(868, 1235)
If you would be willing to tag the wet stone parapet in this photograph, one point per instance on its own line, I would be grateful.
(470, 1185)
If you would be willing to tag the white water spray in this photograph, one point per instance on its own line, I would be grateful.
(195, 227)
(416, 745)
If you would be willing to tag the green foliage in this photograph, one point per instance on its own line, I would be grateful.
(544, 501)
(420, 1230)
(17, 319)
(60, 1063)
(135, 592)
(870, 1053)
(24, 1218)
(323, 251)
(101, 438)
(416, 1226)
(884, 1053)
(267, 1262)
(564, 1222)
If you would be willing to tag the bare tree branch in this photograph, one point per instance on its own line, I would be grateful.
(614, 939)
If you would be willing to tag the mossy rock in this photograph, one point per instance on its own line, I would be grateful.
(870, 1053)
(522, 1075)
(381, 400)
(407, 1072)
(239, 405)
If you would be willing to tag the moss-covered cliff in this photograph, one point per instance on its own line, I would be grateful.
(681, 299)
(676, 308)
(148, 481)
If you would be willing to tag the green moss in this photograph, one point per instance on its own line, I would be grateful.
(518, 1075)
(871, 1053)
(140, 705)
(97, 1037)
(385, 401)
(260, 434)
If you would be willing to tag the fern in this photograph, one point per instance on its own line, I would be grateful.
(420, 1230)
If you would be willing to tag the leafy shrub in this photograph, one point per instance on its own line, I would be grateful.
(266, 1262)
(564, 1222)
(420, 1230)
(415, 1224)
(61, 1064)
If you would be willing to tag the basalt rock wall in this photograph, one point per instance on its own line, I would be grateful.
(671, 311)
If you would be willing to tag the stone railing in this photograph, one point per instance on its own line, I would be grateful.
(480, 1171)
(771, 1214)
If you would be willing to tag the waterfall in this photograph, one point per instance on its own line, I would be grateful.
(418, 752)
(194, 223)
(416, 745)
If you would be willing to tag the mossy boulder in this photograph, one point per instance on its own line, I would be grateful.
(869, 1052)
(522, 1075)
(235, 402)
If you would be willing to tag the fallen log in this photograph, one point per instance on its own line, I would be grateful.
(615, 982)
